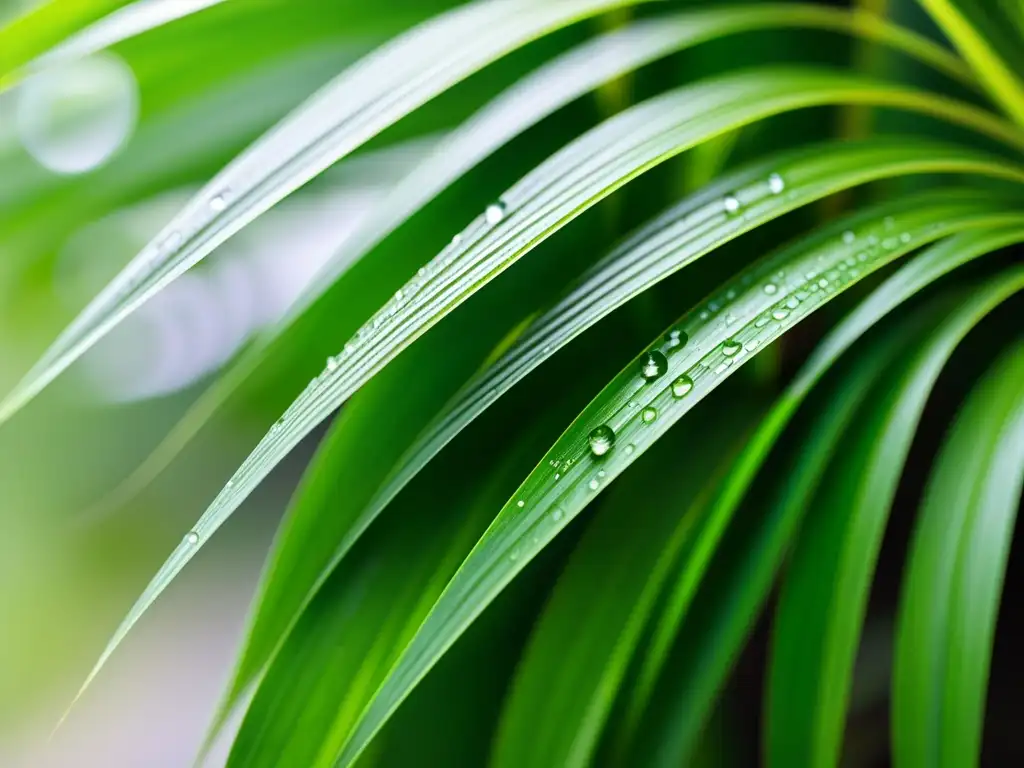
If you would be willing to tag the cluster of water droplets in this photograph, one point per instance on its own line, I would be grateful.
(808, 286)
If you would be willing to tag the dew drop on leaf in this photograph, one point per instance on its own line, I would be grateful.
(681, 387)
(776, 184)
(649, 414)
(676, 339)
(653, 366)
(731, 203)
(731, 347)
(601, 440)
(219, 202)
(192, 538)
(849, 237)
(771, 289)
(495, 212)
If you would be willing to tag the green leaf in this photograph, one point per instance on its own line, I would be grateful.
(523, 105)
(350, 634)
(686, 682)
(716, 638)
(638, 411)
(594, 620)
(825, 592)
(346, 113)
(132, 20)
(954, 576)
(34, 32)
(306, 555)
(560, 189)
(999, 79)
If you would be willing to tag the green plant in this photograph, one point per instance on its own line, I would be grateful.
(424, 566)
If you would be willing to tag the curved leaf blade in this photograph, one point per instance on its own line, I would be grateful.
(954, 574)
(738, 580)
(921, 271)
(998, 78)
(593, 623)
(574, 179)
(638, 412)
(357, 105)
(824, 596)
(523, 105)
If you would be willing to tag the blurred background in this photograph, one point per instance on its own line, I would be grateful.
(99, 147)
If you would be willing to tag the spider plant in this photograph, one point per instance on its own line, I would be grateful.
(626, 373)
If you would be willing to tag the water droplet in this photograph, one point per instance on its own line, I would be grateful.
(456, 238)
(771, 289)
(332, 363)
(723, 367)
(776, 184)
(630, 449)
(649, 414)
(172, 242)
(557, 514)
(593, 485)
(681, 387)
(74, 116)
(752, 345)
(558, 475)
(762, 321)
(794, 301)
(192, 538)
(653, 366)
(601, 473)
(219, 202)
(676, 339)
(520, 503)
(780, 313)
(495, 212)
(601, 440)
(731, 347)
(905, 237)
(704, 315)
(731, 204)
(849, 237)
(230, 484)
(514, 554)
(823, 283)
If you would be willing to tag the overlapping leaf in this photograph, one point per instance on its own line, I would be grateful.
(343, 115)
(531, 99)
(675, 239)
(826, 589)
(574, 179)
(640, 405)
(956, 566)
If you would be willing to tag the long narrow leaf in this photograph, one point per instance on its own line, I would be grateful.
(527, 102)
(825, 593)
(998, 77)
(634, 411)
(579, 176)
(675, 239)
(738, 580)
(345, 114)
(954, 574)
(593, 623)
